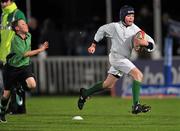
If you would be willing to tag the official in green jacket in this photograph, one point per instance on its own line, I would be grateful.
(10, 13)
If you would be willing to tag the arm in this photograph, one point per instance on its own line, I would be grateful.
(92, 48)
(43, 47)
(151, 44)
(106, 30)
(150, 47)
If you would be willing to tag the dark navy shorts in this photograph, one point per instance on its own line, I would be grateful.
(13, 75)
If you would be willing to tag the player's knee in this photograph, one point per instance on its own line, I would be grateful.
(107, 84)
(31, 85)
(139, 76)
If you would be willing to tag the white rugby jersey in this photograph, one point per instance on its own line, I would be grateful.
(121, 37)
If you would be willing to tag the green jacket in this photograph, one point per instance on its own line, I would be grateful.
(9, 14)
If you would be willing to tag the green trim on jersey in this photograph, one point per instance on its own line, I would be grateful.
(9, 14)
(19, 47)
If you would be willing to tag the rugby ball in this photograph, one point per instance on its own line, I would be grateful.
(141, 35)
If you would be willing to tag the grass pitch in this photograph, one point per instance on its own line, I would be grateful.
(99, 113)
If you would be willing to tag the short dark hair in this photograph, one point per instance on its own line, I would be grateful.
(14, 24)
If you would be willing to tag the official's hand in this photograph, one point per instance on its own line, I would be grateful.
(92, 48)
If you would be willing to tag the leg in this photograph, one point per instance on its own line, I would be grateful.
(27, 85)
(4, 102)
(17, 103)
(108, 83)
(31, 83)
(99, 86)
(137, 76)
(20, 99)
(25, 82)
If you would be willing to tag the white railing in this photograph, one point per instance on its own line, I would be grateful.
(56, 75)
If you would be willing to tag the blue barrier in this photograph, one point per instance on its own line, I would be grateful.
(155, 90)
(168, 61)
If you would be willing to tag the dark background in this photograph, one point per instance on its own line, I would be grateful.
(69, 25)
(70, 12)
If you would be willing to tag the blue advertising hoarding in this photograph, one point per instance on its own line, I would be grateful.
(154, 80)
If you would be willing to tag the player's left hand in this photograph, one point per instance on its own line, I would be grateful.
(149, 48)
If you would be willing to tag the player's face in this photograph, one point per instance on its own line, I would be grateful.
(22, 26)
(129, 19)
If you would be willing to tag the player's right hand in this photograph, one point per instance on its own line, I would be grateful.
(92, 48)
(44, 46)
